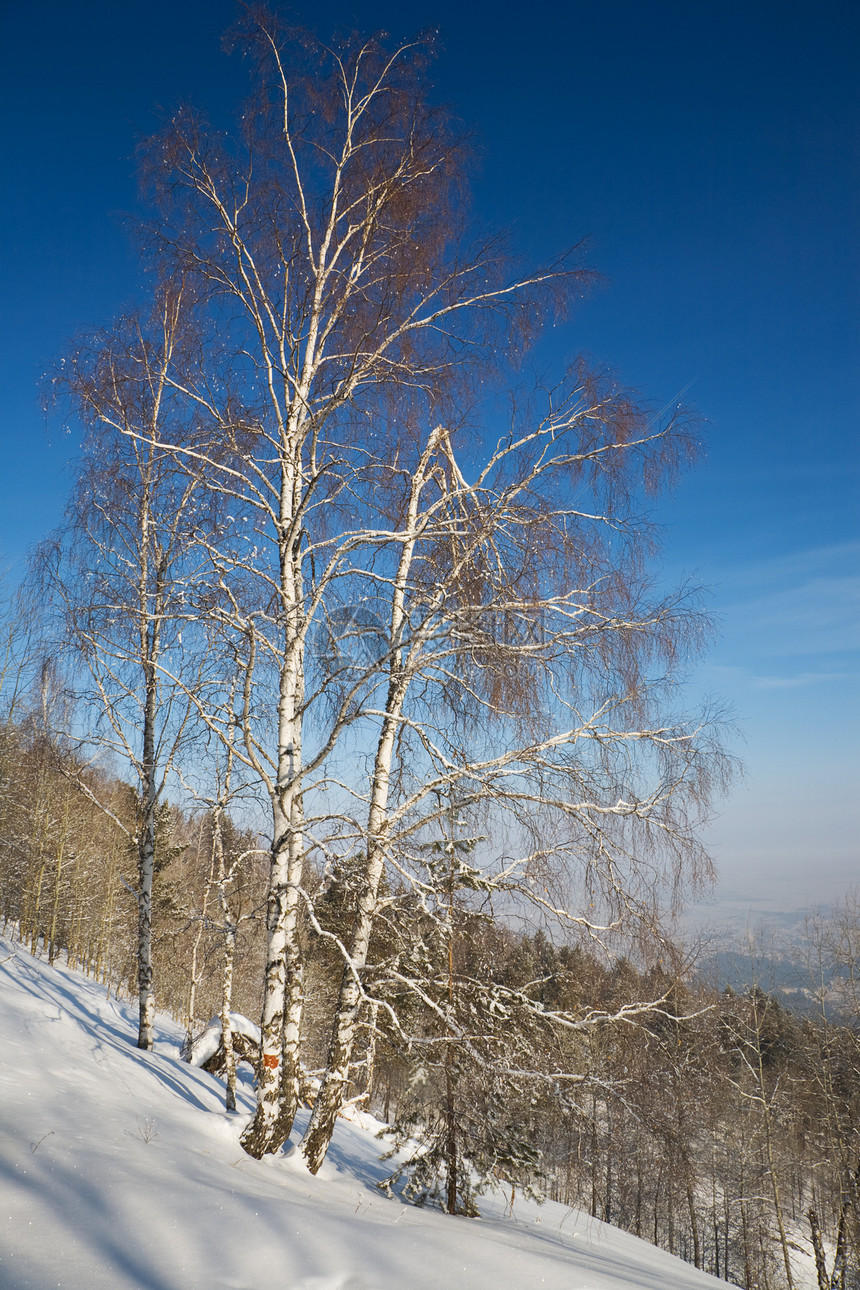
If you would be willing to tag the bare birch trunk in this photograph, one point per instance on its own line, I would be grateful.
(452, 1154)
(280, 1025)
(745, 1225)
(840, 1259)
(370, 1060)
(145, 873)
(329, 1100)
(195, 971)
(194, 981)
(818, 1248)
(331, 1093)
(145, 992)
(115, 566)
(226, 1022)
(694, 1222)
(277, 1076)
(151, 635)
(774, 1176)
(229, 950)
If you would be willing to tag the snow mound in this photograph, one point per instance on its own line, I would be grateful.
(205, 1045)
(120, 1170)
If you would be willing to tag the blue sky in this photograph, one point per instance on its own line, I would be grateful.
(709, 154)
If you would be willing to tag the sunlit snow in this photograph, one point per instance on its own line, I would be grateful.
(120, 1170)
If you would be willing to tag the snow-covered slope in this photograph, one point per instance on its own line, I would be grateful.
(119, 1170)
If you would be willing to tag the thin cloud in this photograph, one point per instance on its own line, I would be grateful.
(806, 603)
(800, 679)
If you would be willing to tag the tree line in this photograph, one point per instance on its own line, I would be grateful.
(719, 1125)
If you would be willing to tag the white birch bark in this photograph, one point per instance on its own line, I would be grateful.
(117, 568)
(283, 995)
(229, 933)
(335, 1078)
(151, 614)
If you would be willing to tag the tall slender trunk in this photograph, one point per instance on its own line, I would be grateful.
(280, 1024)
(194, 978)
(152, 609)
(53, 945)
(715, 1213)
(840, 1258)
(32, 905)
(818, 1248)
(330, 1096)
(229, 933)
(656, 1237)
(329, 1099)
(452, 1155)
(53, 939)
(773, 1171)
(726, 1229)
(694, 1223)
(742, 1199)
(277, 1075)
(294, 962)
(145, 871)
(226, 1022)
(594, 1156)
(146, 867)
(196, 972)
(607, 1195)
(763, 1256)
(370, 1059)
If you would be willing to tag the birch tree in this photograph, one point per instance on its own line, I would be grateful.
(346, 332)
(527, 671)
(345, 306)
(119, 571)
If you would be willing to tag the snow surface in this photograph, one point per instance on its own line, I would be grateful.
(120, 1170)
